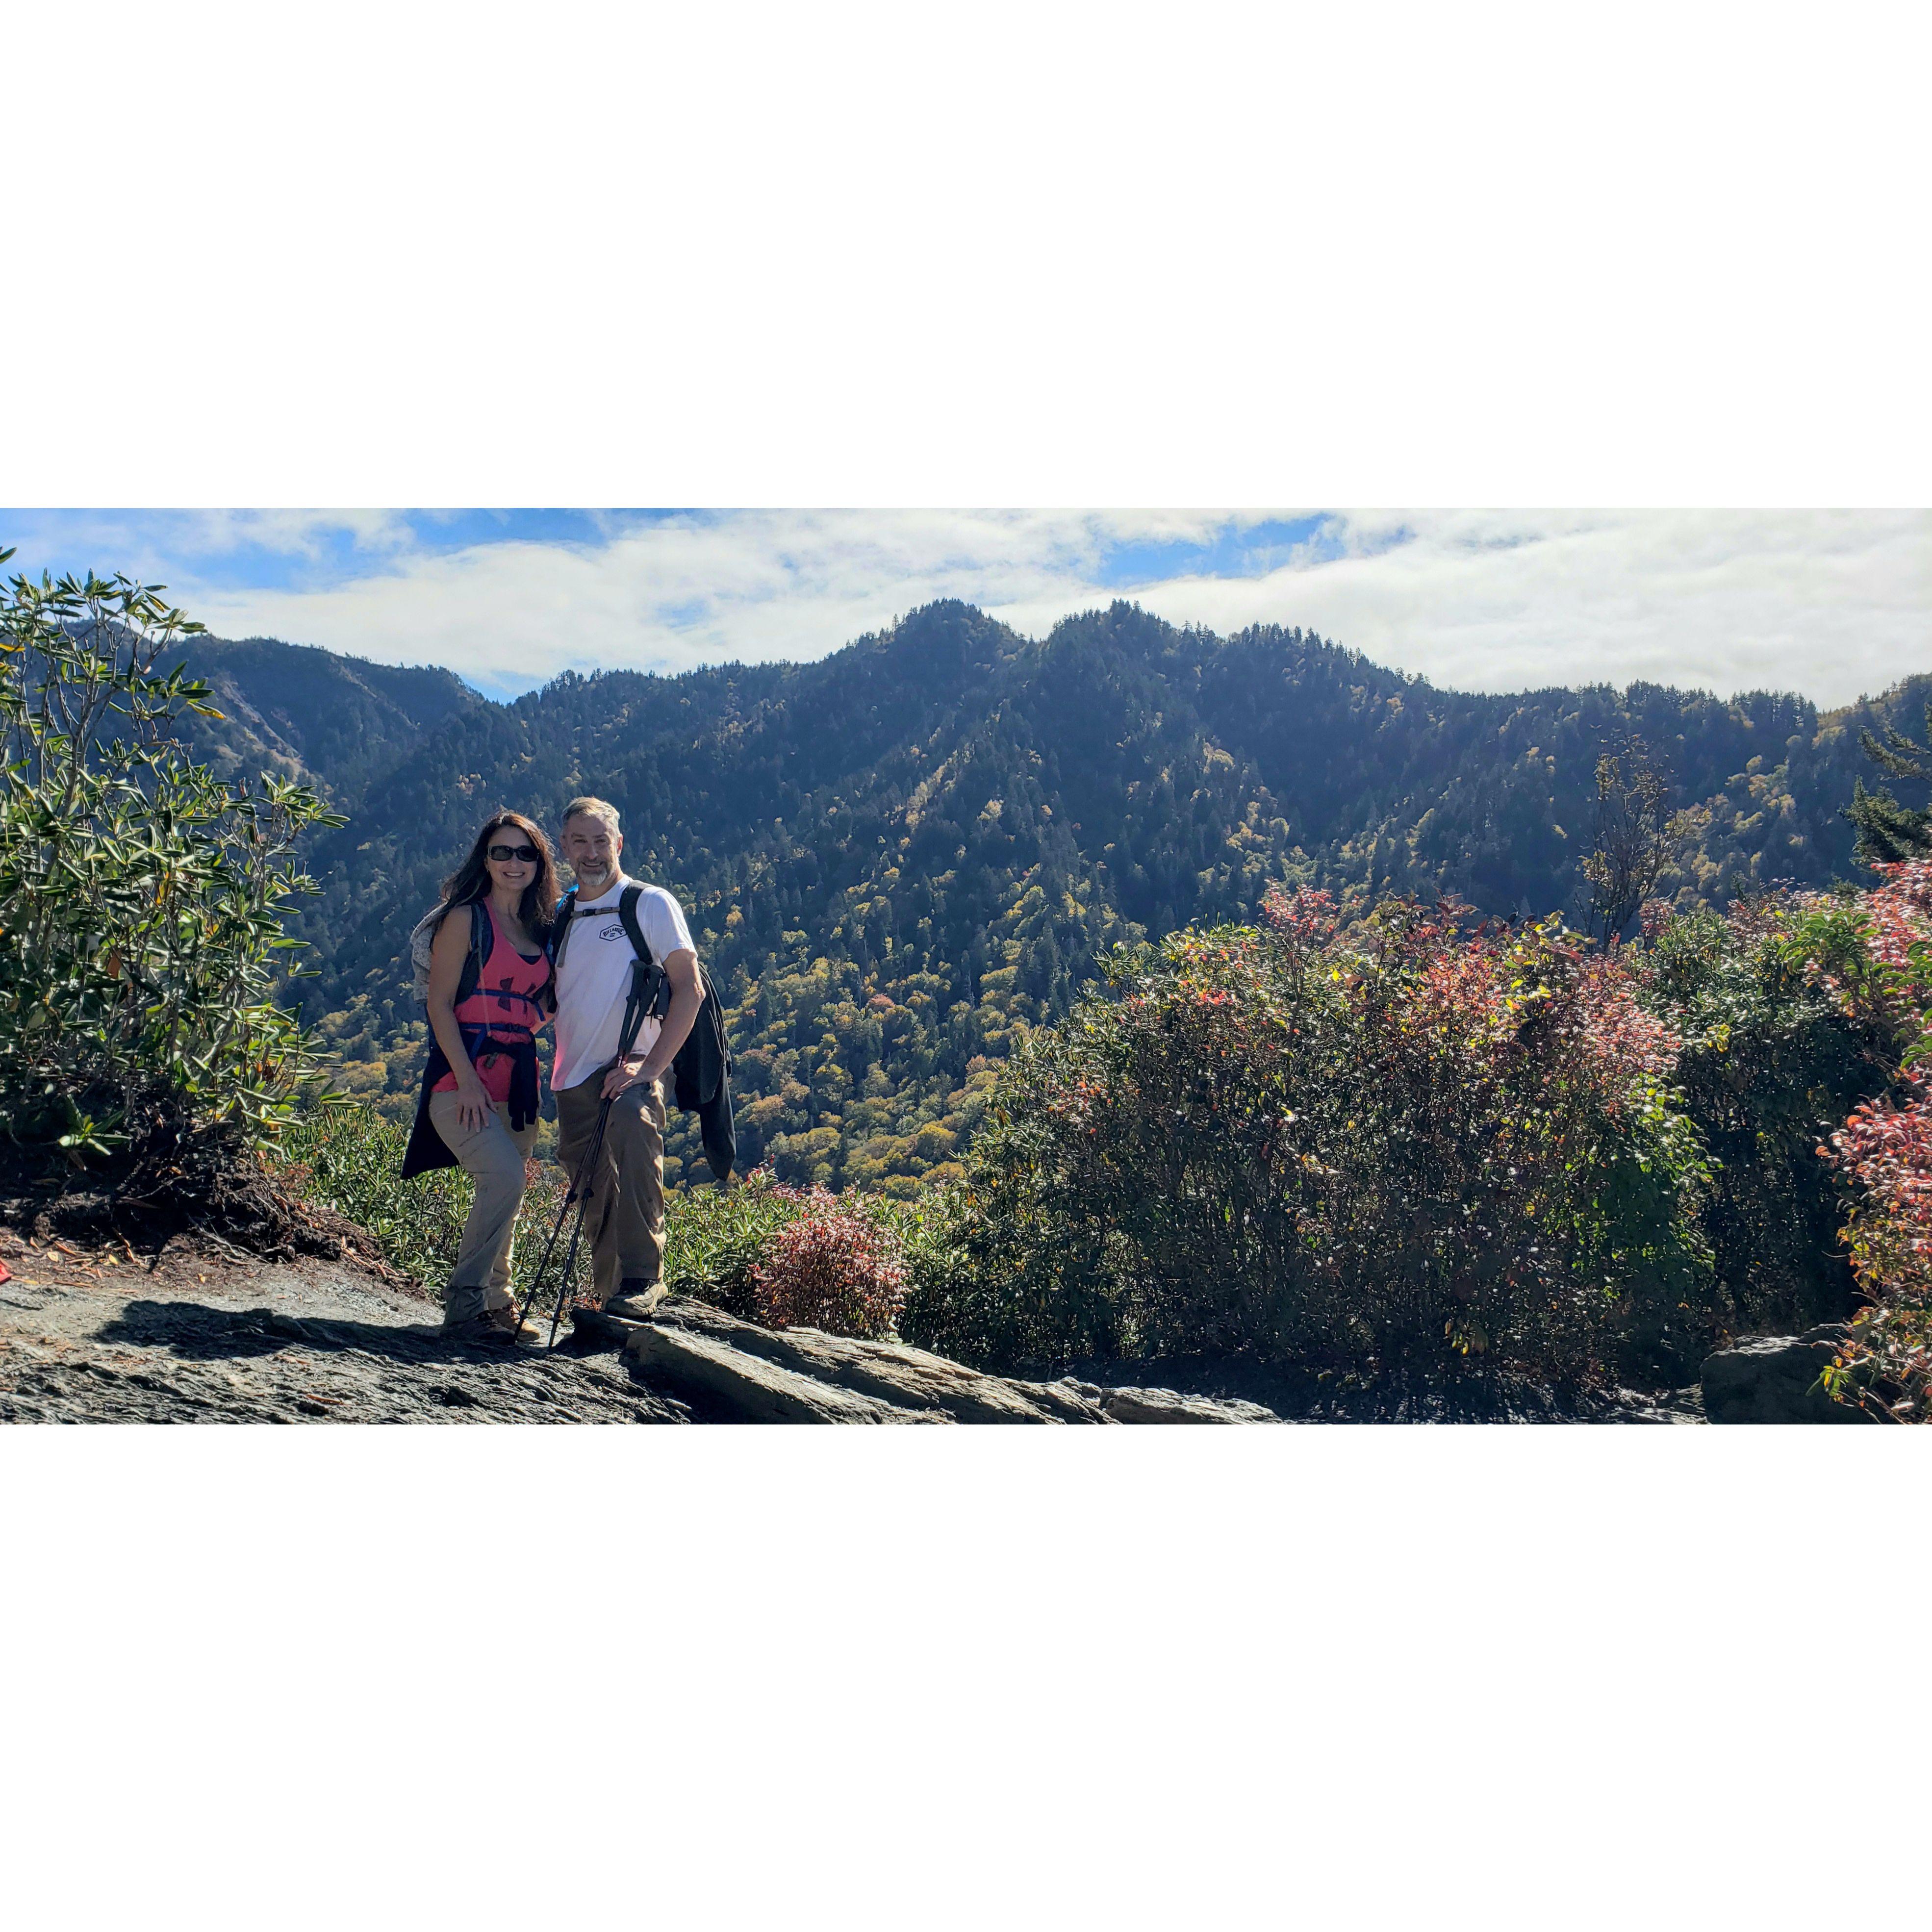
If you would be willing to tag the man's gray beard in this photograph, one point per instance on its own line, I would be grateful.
(595, 884)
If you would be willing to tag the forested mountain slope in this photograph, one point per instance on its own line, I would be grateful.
(894, 857)
(306, 712)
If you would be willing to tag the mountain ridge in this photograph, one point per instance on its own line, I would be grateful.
(898, 858)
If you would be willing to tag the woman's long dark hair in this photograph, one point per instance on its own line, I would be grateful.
(470, 881)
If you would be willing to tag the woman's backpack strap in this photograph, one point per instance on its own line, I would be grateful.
(482, 941)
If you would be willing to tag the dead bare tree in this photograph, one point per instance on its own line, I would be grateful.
(1634, 838)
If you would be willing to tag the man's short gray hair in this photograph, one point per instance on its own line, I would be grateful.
(601, 809)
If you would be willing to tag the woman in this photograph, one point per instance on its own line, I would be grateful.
(477, 1108)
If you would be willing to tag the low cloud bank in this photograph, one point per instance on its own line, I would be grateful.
(1829, 603)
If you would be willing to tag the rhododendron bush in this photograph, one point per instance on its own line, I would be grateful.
(1431, 1144)
(1885, 1150)
(1772, 1001)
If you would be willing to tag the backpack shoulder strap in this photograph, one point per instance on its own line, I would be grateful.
(559, 930)
(482, 938)
(627, 910)
(650, 990)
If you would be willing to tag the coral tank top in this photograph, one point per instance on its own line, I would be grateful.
(503, 1012)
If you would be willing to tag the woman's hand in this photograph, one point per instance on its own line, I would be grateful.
(473, 1104)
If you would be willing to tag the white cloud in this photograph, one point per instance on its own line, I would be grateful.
(694, 589)
(1830, 603)
(297, 532)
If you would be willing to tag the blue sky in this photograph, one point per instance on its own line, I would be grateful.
(1234, 549)
(305, 551)
(1830, 603)
(239, 553)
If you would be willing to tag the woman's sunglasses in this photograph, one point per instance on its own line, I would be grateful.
(502, 854)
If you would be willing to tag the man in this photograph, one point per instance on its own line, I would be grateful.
(625, 1216)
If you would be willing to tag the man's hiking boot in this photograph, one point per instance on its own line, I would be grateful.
(635, 1300)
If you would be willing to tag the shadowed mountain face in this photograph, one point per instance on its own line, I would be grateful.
(895, 857)
(298, 710)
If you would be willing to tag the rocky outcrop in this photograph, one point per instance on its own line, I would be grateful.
(729, 1370)
(1774, 1378)
(208, 1335)
(734, 1385)
(231, 1348)
(1140, 1405)
(202, 1333)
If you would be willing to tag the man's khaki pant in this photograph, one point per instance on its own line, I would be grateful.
(624, 1219)
(493, 1156)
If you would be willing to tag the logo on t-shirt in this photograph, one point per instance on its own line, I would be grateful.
(615, 930)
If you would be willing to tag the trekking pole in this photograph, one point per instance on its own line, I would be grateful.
(581, 1182)
(543, 1260)
(590, 1166)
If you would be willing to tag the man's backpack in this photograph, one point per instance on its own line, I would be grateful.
(701, 1068)
(422, 938)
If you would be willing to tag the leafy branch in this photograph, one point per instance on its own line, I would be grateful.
(141, 898)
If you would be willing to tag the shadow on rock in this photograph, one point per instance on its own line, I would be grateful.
(198, 1363)
(197, 1332)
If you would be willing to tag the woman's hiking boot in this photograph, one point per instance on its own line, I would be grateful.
(464, 1308)
(493, 1326)
(467, 1316)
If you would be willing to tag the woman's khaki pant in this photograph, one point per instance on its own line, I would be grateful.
(493, 1156)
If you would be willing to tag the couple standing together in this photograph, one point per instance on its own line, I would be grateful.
(539, 957)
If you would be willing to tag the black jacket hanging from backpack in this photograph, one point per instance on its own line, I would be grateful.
(701, 1068)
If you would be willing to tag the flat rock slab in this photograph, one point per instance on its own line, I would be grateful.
(883, 1371)
(1141, 1405)
(83, 1352)
(737, 1371)
(1774, 1378)
(736, 1386)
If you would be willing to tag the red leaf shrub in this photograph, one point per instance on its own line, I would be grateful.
(1885, 1150)
(1900, 911)
(833, 1268)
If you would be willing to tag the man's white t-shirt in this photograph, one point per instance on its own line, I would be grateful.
(595, 979)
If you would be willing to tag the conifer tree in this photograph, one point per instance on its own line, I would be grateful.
(1887, 831)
